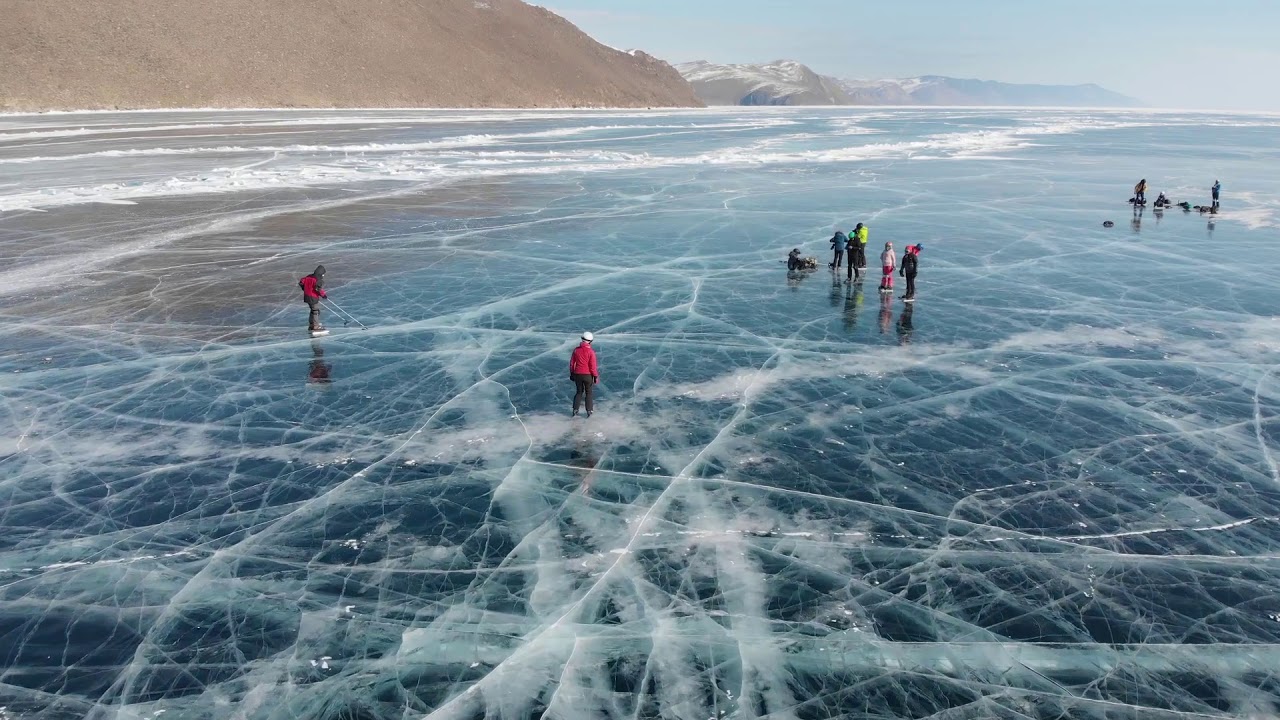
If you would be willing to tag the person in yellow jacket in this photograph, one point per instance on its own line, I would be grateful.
(1140, 191)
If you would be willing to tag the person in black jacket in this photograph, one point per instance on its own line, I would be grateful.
(793, 260)
(910, 265)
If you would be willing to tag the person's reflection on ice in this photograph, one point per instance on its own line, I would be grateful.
(905, 327)
(319, 372)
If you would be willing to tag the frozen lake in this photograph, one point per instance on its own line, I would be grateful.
(1048, 489)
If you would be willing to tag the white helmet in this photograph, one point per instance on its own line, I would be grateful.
(588, 336)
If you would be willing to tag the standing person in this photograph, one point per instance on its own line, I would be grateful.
(838, 241)
(910, 264)
(1217, 188)
(861, 231)
(888, 262)
(312, 293)
(1140, 191)
(852, 247)
(583, 372)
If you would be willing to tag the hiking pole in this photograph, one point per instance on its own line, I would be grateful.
(335, 306)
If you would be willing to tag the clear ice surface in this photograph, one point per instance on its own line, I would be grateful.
(1049, 489)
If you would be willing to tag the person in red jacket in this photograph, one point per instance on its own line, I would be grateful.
(584, 372)
(312, 292)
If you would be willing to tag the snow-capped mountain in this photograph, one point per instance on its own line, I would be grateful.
(786, 82)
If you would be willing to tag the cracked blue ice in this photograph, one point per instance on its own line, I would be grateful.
(1047, 490)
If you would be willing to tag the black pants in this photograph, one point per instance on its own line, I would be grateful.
(839, 255)
(911, 284)
(584, 385)
(1140, 196)
(855, 268)
(313, 318)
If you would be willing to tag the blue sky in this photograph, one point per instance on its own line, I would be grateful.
(1177, 53)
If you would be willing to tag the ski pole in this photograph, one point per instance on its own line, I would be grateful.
(335, 306)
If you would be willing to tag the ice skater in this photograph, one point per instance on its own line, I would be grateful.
(1217, 189)
(1140, 192)
(888, 262)
(584, 373)
(312, 293)
(910, 264)
(857, 259)
(838, 242)
(863, 233)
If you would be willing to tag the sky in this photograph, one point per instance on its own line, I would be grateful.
(1187, 54)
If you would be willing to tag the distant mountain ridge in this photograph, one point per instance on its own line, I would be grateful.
(787, 82)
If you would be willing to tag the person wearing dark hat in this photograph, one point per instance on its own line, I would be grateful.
(910, 265)
(312, 293)
(584, 373)
(793, 260)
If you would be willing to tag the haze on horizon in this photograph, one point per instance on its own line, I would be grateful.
(1170, 54)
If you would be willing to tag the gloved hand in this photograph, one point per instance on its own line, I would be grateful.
(595, 379)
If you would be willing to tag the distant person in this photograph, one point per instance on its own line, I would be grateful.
(1162, 201)
(312, 293)
(793, 259)
(584, 373)
(1140, 191)
(888, 262)
(858, 251)
(851, 249)
(838, 241)
(1217, 190)
(910, 264)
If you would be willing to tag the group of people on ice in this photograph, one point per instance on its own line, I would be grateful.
(854, 246)
(1162, 201)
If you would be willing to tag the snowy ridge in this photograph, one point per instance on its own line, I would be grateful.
(787, 82)
(783, 82)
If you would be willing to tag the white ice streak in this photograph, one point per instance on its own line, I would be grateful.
(464, 157)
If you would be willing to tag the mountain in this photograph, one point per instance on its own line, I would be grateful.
(786, 82)
(940, 90)
(94, 54)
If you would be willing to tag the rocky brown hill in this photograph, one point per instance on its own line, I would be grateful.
(98, 54)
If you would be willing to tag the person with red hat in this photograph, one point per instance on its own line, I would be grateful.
(910, 265)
